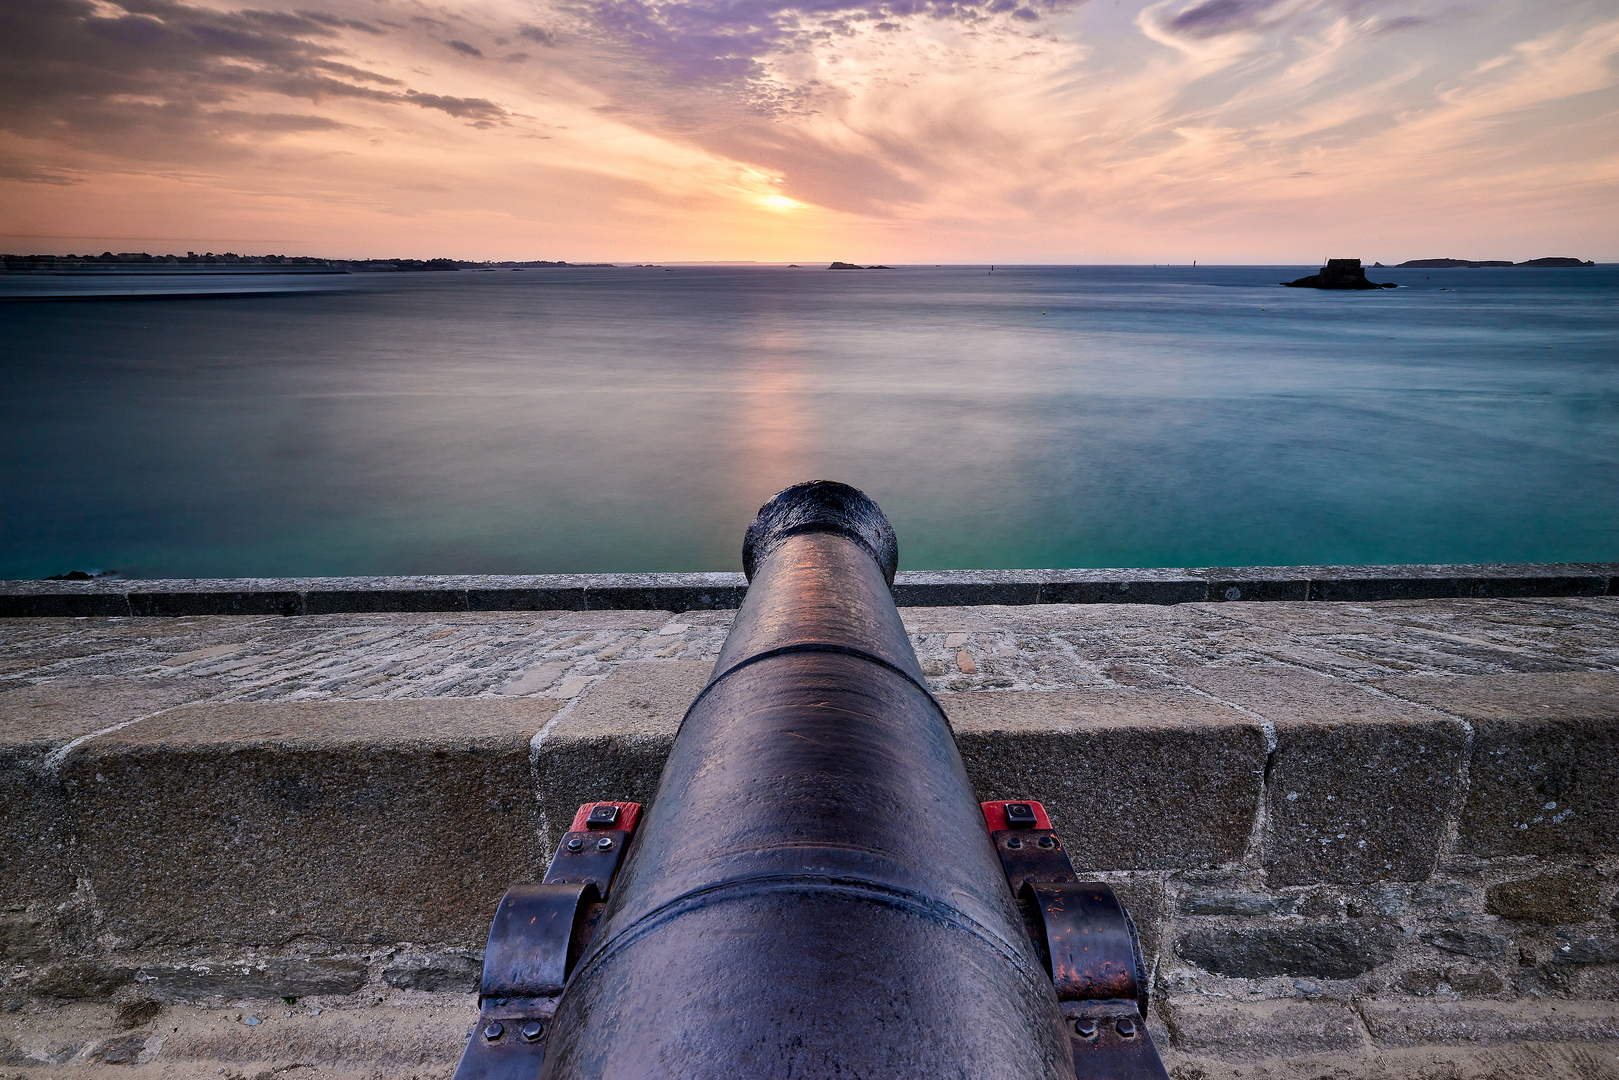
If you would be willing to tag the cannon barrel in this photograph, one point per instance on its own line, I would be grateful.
(813, 892)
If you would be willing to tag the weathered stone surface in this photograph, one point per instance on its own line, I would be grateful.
(433, 971)
(1263, 1029)
(1545, 759)
(1142, 895)
(1549, 899)
(138, 1011)
(1250, 904)
(1427, 981)
(1334, 951)
(122, 1050)
(1135, 779)
(245, 980)
(1360, 786)
(352, 821)
(37, 846)
(1412, 1023)
(79, 978)
(414, 1035)
(611, 745)
(1465, 942)
(1587, 949)
(24, 936)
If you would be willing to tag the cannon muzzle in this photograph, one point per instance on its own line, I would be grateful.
(814, 892)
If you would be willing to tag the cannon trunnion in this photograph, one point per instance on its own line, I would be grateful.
(813, 892)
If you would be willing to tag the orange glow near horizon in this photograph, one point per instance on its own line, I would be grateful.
(864, 130)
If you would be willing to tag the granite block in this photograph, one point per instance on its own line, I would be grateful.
(1225, 587)
(273, 977)
(1262, 1029)
(1323, 951)
(367, 821)
(1360, 786)
(1145, 590)
(183, 603)
(1369, 589)
(335, 601)
(39, 848)
(1545, 759)
(560, 598)
(1414, 1023)
(1133, 779)
(66, 604)
(434, 972)
(1568, 896)
(965, 589)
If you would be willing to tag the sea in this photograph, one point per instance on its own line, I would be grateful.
(584, 419)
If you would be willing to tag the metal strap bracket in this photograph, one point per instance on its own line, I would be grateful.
(539, 931)
(1088, 942)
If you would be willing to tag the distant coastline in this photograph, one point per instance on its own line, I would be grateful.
(191, 262)
(1448, 264)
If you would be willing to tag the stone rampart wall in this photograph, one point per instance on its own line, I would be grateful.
(1342, 827)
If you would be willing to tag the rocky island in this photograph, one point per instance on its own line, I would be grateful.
(853, 266)
(1446, 264)
(1339, 274)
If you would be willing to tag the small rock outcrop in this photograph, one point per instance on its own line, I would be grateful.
(1339, 274)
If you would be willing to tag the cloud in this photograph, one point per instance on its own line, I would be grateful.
(723, 41)
(466, 108)
(1208, 19)
(1214, 17)
(945, 128)
(134, 76)
(36, 174)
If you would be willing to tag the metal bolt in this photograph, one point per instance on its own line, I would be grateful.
(1046, 841)
(1126, 1029)
(605, 844)
(1085, 1029)
(575, 844)
(1014, 841)
(533, 1030)
(492, 1032)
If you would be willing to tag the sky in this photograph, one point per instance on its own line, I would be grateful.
(901, 131)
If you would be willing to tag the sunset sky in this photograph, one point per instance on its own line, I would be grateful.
(894, 130)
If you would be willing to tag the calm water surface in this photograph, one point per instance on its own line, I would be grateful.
(634, 419)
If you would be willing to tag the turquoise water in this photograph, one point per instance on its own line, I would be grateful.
(633, 419)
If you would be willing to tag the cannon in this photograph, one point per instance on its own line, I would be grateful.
(814, 891)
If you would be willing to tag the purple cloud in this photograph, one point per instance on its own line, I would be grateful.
(720, 41)
(157, 73)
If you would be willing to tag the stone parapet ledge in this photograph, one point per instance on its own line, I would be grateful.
(710, 591)
(1350, 832)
